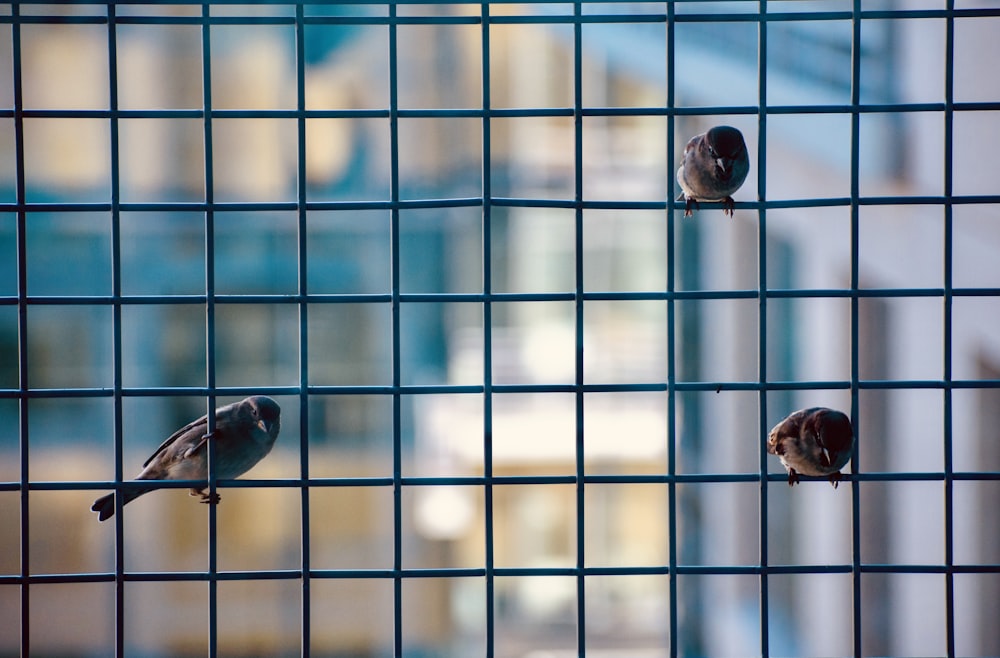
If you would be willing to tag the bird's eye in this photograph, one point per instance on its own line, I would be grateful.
(253, 410)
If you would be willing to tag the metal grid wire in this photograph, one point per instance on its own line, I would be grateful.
(576, 15)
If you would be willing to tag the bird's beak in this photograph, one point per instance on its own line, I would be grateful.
(262, 425)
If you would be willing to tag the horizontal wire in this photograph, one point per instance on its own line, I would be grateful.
(449, 297)
(477, 389)
(751, 5)
(531, 19)
(497, 480)
(412, 204)
(499, 572)
(497, 113)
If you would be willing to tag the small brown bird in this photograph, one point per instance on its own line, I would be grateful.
(815, 441)
(244, 434)
(714, 165)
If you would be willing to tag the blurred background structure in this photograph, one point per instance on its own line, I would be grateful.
(536, 395)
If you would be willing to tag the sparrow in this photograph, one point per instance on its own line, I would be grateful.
(244, 434)
(714, 166)
(815, 441)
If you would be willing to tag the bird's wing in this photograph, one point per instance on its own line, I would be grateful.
(838, 435)
(192, 433)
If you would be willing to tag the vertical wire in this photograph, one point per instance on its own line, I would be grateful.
(22, 328)
(305, 541)
(397, 450)
(488, 335)
(116, 325)
(762, 320)
(855, 390)
(206, 72)
(671, 346)
(581, 585)
(671, 354)
(949, 512)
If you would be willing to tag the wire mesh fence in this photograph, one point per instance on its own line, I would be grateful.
(525, 400)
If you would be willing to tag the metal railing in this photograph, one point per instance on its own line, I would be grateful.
(483, 16)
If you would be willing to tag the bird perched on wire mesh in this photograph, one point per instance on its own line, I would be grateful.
(714, 165)
(815, 441)
(244, 434)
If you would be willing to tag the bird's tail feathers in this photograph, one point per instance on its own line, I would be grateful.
(105, 505)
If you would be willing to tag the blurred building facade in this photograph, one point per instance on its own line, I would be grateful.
(533, 249)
